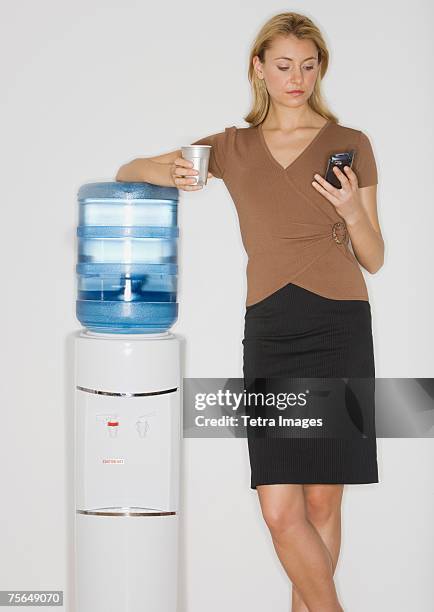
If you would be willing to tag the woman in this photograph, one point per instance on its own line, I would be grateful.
(307, 308)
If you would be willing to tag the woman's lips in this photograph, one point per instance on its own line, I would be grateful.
(295, 92)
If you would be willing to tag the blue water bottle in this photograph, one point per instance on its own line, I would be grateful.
(127, 257)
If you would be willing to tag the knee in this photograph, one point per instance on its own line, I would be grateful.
(322, 504)
(280, 519)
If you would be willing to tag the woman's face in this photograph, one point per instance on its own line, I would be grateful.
(290, 65)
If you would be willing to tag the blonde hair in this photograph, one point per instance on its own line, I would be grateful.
(285, 24)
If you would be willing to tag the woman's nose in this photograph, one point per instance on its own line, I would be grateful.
(296, 76)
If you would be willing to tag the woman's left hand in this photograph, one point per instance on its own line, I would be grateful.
(345, 200)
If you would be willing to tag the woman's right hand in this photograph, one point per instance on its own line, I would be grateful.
(182, 172)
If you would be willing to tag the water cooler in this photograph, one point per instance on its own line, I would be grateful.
(128, 399)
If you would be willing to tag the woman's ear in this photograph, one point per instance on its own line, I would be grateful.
(255, 61)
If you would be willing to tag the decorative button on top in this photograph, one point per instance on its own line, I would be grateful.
(340, 233)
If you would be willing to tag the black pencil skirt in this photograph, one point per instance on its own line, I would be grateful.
(297, 333)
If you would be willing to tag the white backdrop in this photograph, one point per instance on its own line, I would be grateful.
(88, 86)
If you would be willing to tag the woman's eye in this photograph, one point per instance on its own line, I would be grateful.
(305, 67)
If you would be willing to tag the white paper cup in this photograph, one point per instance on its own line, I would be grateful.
(199, 155)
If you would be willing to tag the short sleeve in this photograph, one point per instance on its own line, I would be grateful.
(219, 153)
(364, 165)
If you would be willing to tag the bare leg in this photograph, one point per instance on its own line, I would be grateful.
(299, 546)
(323, 510)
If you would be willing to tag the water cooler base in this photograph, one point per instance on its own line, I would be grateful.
(124, 561)
(127, 448)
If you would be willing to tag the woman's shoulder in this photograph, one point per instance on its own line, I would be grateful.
(231, 136)
(346, 132)
(236, 131)
(240, 134)
(364, 164)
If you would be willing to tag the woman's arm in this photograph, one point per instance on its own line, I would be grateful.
(358, 207)
(167, 170)
(155, 170)
(365, 232)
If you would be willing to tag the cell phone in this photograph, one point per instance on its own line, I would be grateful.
(340, 160)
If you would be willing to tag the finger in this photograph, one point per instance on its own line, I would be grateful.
(185, 163)
(324, 192)
(189, 187)
(352, 176)
(183, 171)
(192, 187)
(210, 175)
(184, 167)
(341, 176)
(184, 181)
(327, 186)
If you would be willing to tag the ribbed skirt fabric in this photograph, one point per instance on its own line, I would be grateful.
(297, 333)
